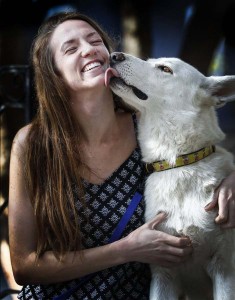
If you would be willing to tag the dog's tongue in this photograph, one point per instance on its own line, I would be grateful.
(109, 73)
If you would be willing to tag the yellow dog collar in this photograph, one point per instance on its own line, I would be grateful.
(182, 160)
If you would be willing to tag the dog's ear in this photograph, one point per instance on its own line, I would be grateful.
(221, 89)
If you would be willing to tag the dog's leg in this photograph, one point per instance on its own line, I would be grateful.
(163, 286)
(222, 271)
(224, 285)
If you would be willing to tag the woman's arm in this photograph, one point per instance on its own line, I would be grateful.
(224, 198)
(145, 244)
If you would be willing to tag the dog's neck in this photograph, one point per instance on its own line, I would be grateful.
(182, 160)
(166, 139)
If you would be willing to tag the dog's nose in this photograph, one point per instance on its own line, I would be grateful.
(116, 57)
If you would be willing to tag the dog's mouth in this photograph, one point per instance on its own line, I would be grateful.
(139, 94)
(112, 78)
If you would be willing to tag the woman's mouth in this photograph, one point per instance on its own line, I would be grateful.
(91, 66)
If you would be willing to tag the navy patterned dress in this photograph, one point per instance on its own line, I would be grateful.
(105, 205)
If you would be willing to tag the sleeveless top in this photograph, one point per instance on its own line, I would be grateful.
(105, 205)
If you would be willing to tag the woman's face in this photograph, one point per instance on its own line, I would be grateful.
(80, 55)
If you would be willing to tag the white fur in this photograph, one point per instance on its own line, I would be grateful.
(179, 117)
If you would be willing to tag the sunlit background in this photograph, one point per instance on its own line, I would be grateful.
(197, 31)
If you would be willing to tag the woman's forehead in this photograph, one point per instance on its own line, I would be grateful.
(71, 29)
(74, 27)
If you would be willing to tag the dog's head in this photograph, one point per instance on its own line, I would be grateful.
(166, 82)
(176, 101)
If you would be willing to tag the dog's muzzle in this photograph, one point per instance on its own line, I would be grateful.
(118, 57)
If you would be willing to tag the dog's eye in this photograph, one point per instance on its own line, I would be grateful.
(165, 69)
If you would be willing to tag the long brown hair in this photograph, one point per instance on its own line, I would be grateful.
(53, 162)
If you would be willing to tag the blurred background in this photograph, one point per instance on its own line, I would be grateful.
(197, 31)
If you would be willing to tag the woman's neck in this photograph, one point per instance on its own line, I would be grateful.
(96, 118)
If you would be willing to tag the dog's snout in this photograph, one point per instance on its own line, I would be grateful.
(116, 57)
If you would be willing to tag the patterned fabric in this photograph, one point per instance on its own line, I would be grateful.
(105, 205)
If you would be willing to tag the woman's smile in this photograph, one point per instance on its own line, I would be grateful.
(91, 66)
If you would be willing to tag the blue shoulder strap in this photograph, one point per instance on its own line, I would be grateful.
(115, 236)
(126, 217)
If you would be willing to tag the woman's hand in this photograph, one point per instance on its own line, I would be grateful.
(224, 198)
(148, 245)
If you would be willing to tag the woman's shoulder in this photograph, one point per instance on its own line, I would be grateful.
(22, 134)
(20, 139)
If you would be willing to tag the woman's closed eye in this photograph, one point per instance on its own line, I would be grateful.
(73, 49)
(70, 50)
(96, 42)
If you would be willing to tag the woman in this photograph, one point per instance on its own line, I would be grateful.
(74, 171)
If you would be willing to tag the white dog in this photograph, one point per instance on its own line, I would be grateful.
(177, 132)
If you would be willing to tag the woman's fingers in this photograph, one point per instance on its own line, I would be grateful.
(226, 202)
(180, 242)
(171, 256)
(223, 204)
(162, 238)
(224, 197)
(149, 245)
(213, 204)
(159, 218)
(179, 246)
(230, 222)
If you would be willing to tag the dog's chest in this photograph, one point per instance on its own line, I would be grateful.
(183, 199)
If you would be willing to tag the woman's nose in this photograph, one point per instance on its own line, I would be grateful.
(87, 50)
